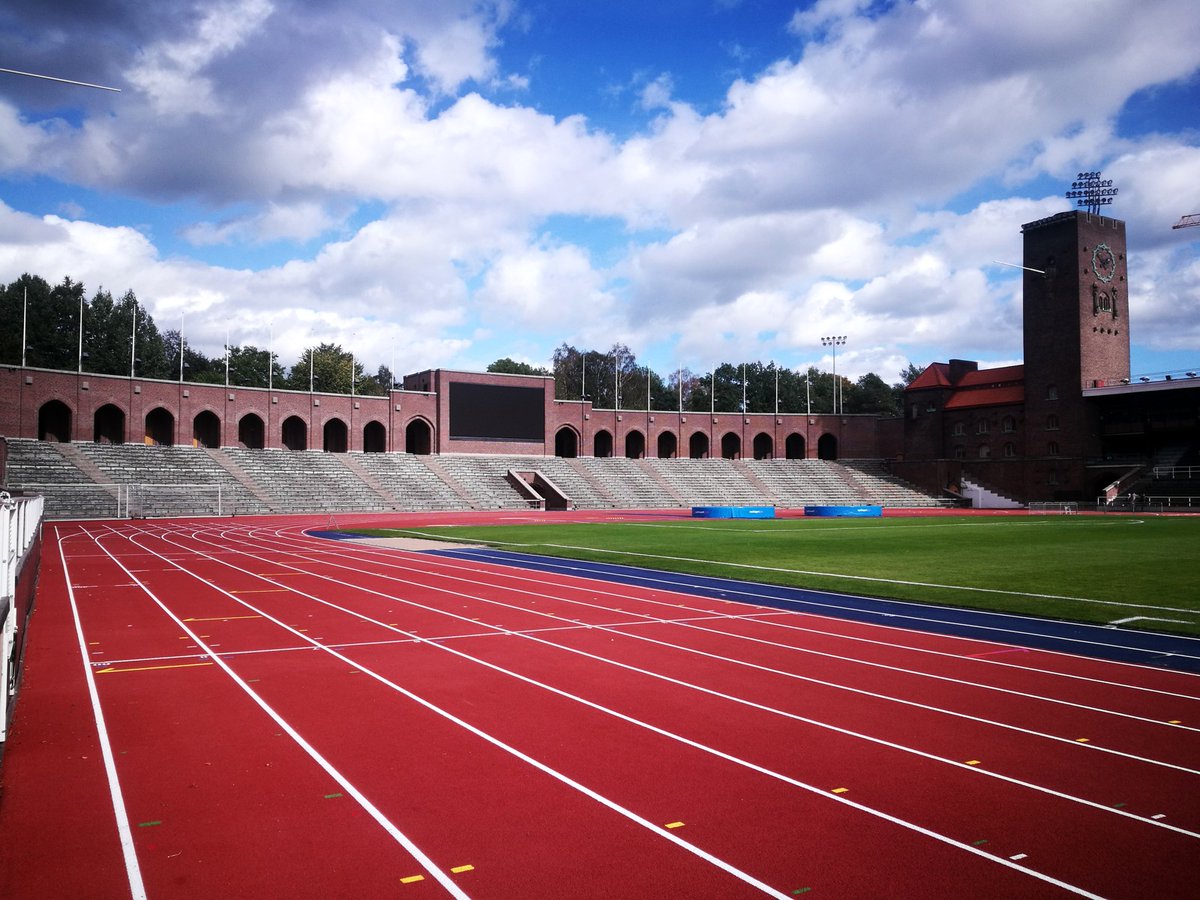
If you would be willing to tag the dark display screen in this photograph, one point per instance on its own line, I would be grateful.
(497, 412)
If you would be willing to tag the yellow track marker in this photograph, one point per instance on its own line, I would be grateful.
(457, 870)
(673, 825)
(1082, 740)
(973, 762)
(1175, 722)
(152, 668)
(411, 879)
(841, 790)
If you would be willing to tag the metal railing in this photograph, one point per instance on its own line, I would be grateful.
(20, 521)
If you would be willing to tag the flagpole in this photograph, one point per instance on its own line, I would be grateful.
(24, 319)
(79, 358)
(226, 357)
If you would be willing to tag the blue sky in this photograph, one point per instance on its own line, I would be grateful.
(447, 183)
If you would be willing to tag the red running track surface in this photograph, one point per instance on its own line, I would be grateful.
(229, 709)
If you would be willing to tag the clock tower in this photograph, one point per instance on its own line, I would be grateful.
(1076, 327)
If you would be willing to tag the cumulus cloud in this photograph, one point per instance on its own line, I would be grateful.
(862, 185)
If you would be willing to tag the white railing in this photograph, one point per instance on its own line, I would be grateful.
(1165, 472)
(20, 520)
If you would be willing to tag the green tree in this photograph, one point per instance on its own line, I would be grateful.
(329, 368)
(910, 374)
(509, 366)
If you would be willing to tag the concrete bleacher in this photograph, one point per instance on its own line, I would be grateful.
(87, 480)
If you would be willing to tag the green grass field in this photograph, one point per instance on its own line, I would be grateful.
(1082, 568)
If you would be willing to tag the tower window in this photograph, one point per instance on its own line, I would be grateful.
(1052, 392)
(1052, 422)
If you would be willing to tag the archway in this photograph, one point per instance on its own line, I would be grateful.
(294, 433)
(764, 446)
(54, 422)
(108, 425)
(418, 437)
(160, 427)
(668, 446)
(566, 442)
(731, 446)
(334, 436)
(603, 445)
(635, 445)
(698, 446)
(827, 447)
(374, 437)
(206, 429)
(793, 447)
(252, 432)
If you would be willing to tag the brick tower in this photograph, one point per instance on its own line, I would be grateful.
(1076, 326)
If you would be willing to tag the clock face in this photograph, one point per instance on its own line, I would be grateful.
(1104, 263)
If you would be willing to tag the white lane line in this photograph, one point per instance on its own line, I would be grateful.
(740, 588)
(815, 723)
(537, 764)
(133, 871)
(577, 573)
(308, 748)
(822, 792)
(821, 653)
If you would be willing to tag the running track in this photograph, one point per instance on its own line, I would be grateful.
(219, 708)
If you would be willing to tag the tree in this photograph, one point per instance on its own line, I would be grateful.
(910, 374)
(328, 368)
(871, 394)
(509, 366)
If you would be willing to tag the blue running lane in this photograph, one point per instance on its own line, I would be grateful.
(1177, 652)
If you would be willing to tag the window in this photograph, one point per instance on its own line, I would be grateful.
(960, 452)
(985, 451)
(983, 427)
(1052, 392)
(1010, 450)
(959, 429)
(1052, 422)
(1052, 448)
(1009, 425)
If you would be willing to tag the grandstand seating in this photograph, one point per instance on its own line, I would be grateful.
(85, 480)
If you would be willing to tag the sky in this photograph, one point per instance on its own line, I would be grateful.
(443, 183)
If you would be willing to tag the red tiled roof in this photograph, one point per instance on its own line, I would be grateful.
(997, 376)
(936, 375)
(987, 396)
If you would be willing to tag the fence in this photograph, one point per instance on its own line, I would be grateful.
(128, 501)
(20, 527)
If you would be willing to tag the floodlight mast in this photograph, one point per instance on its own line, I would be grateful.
(834, 341)
(1090, 191)
(1191, 221)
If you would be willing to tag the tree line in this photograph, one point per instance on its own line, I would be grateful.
(119, 337)
(615, 379)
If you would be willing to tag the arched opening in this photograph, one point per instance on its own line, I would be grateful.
(374, 437)
(418, 437)
(54, 422)
(698, 446)
(206, 429)
(251, 432)
(731, 446)
(108, 425)
(764, 446)
(635, 445)
(793, 447)
(294, 433)
(160, 427)
(827, 447)
(602, 445)
(334, 436)
(566, 443)
(668, 445)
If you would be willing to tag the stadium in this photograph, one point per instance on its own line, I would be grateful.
(467, 639)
